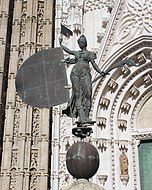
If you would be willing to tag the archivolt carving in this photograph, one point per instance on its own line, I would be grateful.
(133, 90)
(125, 71)
(122, 124)
(101, 144)
(133, 86)
(112, 84)
(125, 107)
(141, 101)
(101, 122)
(104, 102)
(147, 79)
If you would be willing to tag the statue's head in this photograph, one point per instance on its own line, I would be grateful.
(82, 40)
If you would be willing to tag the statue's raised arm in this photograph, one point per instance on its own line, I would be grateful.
(65, 48)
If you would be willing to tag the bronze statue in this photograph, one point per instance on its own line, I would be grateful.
(80, 103)
(80, 76)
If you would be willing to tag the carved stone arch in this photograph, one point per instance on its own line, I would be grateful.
(140, 135)
(116, 102)
(140, 104)
(129, 49)
(123, 83)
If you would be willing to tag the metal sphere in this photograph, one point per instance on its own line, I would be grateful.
(82, 160)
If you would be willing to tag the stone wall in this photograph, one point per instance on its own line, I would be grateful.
(120, 99)
(26, 139)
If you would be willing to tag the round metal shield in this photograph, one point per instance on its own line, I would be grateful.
(41, 80)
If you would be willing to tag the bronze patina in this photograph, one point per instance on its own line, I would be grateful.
(80, 76)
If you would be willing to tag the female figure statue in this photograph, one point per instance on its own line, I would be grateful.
(80, 76)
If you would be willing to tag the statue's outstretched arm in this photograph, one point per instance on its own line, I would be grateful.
(65, 48)
(126, 61)
(95, 66)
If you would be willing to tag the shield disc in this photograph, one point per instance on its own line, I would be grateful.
(41, 80)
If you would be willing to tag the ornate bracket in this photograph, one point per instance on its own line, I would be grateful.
(102, 179)
(134, 92)
(112, 85)
(124, 179)
(122, 124)
(101, 122)
(77, 28)
(104, 102)
(125, 107)
(123, 146)
(125, 70)
(147, 79)
(141, 58)
(102, 144)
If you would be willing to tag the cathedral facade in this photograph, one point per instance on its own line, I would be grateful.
(34, 141)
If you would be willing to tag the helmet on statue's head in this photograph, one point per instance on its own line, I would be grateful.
(82, 39)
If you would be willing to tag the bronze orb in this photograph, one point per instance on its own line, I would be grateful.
(82, 160)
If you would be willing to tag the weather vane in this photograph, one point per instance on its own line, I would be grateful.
(41, 82)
